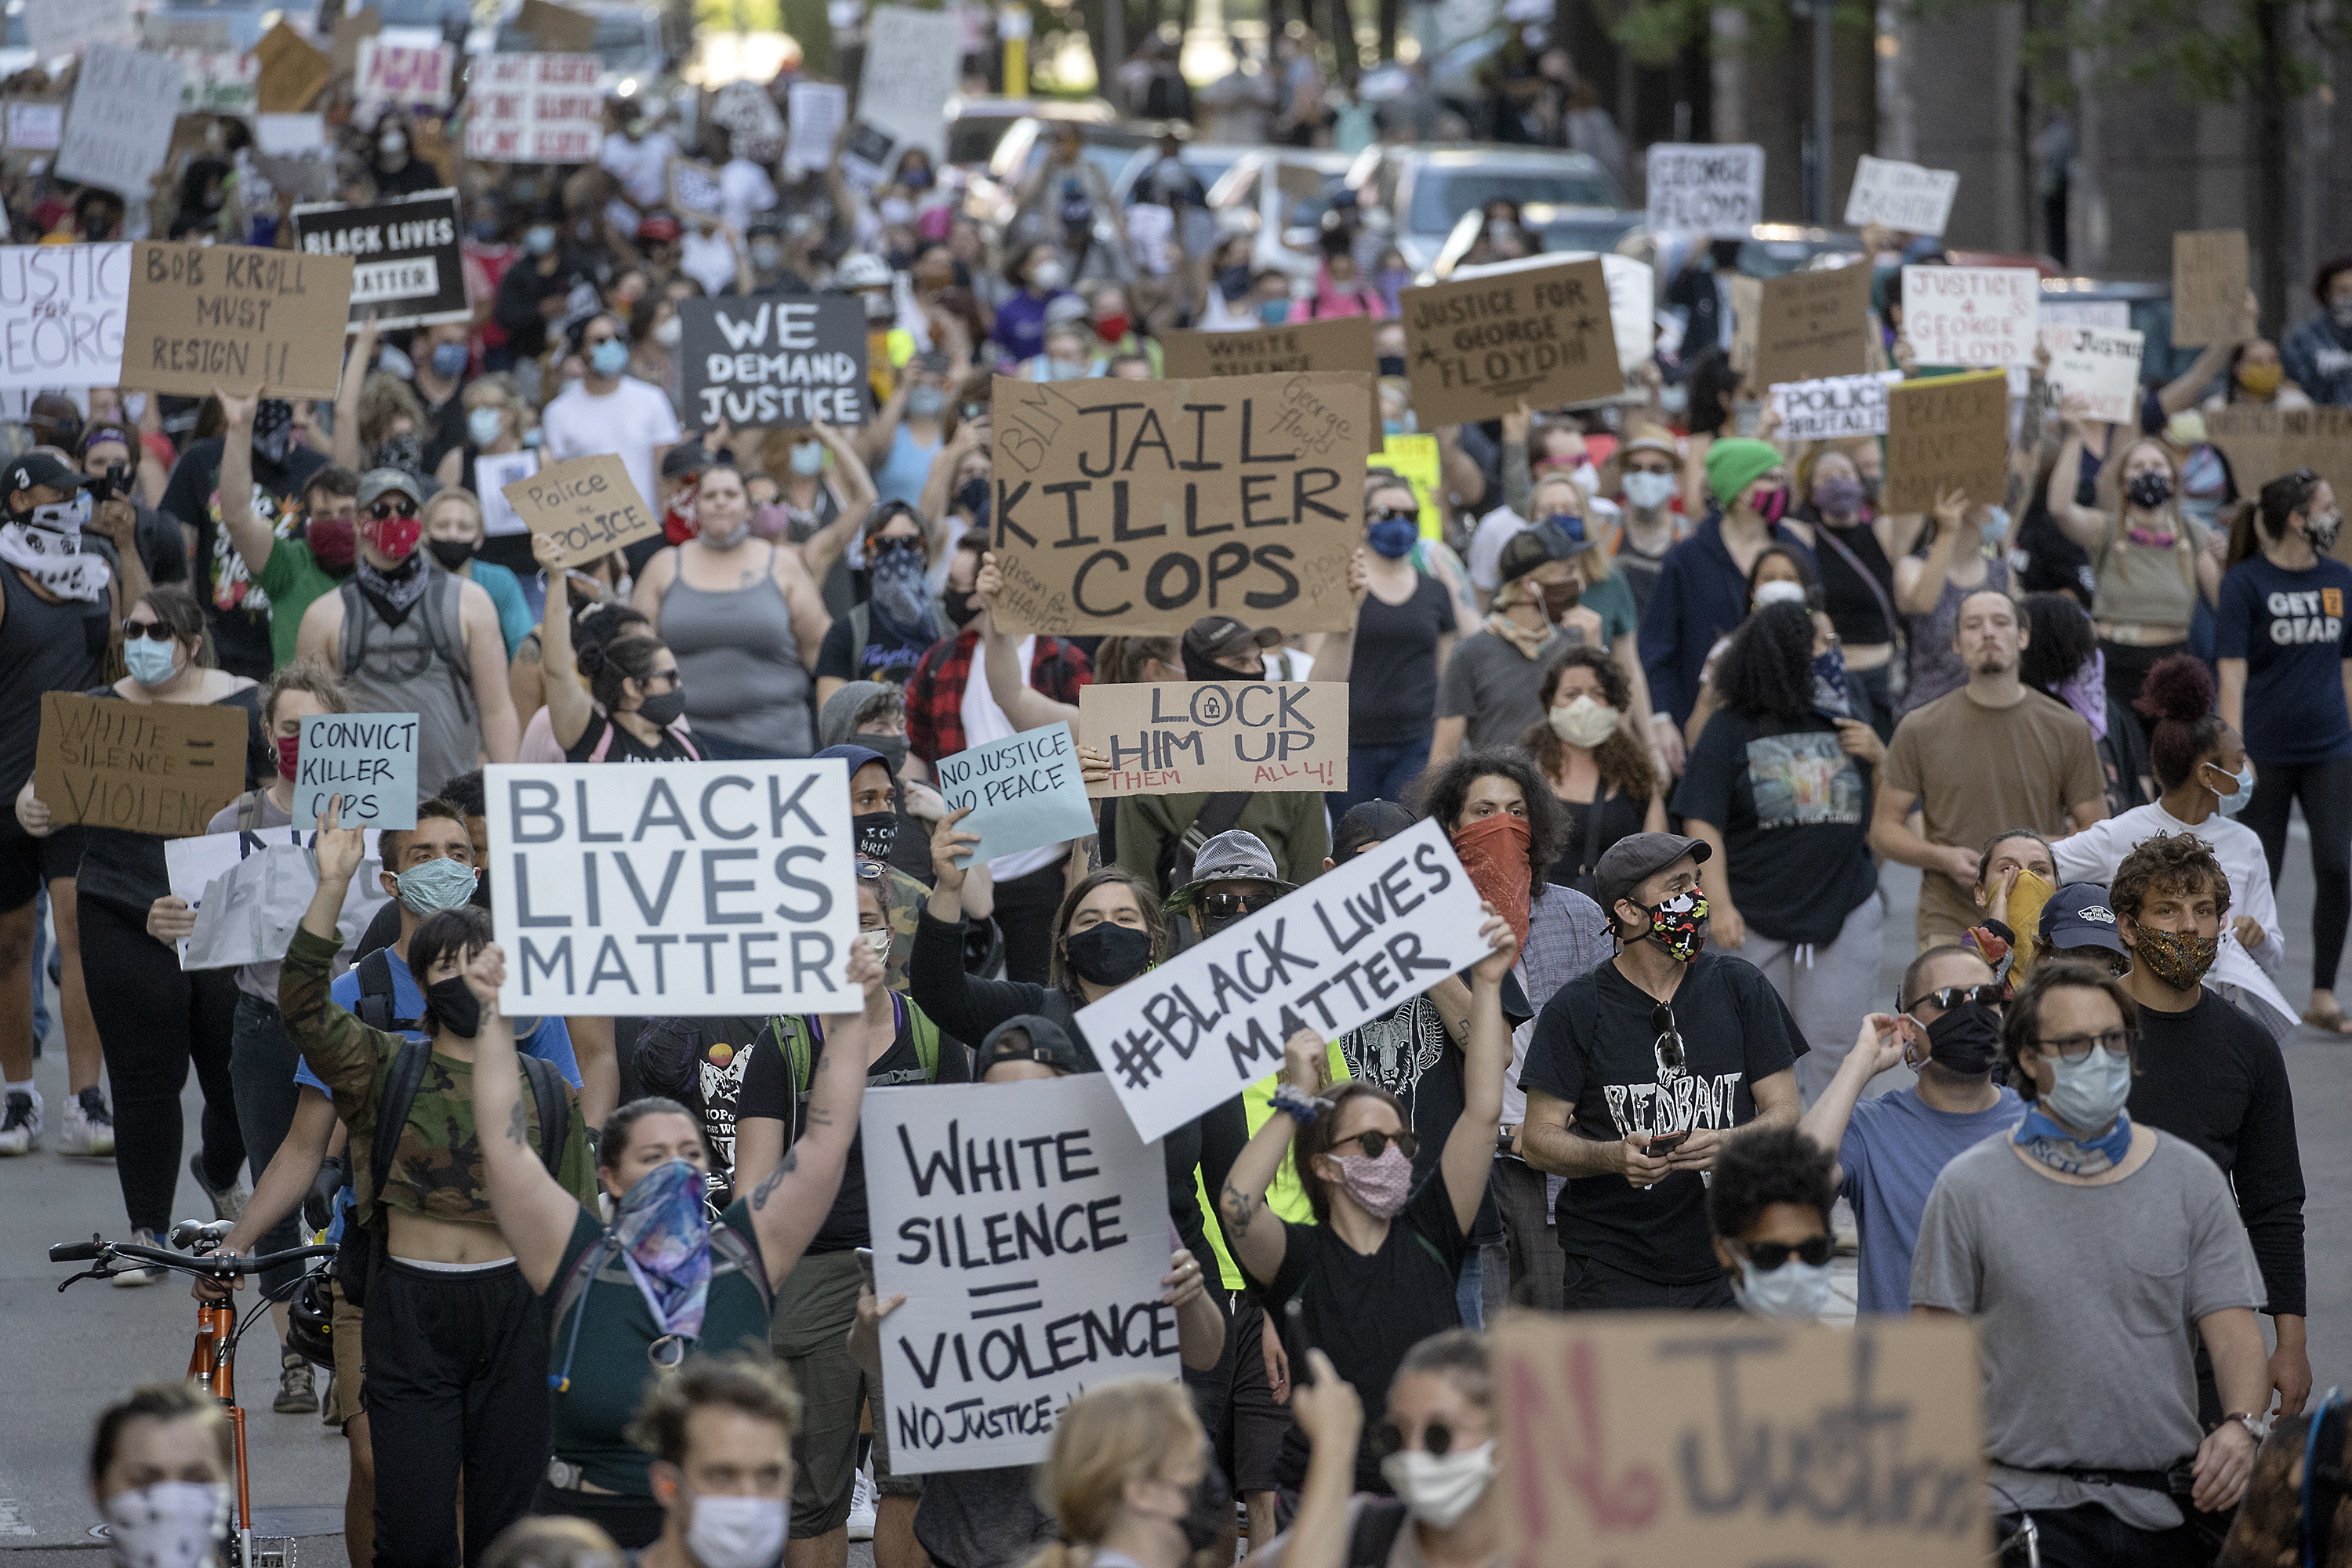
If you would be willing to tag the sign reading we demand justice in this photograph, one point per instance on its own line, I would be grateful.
(1027, 1226)
(695, 889)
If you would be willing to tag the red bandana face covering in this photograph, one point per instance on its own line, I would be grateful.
(395, 536)
(289, 754)
(1495, 852)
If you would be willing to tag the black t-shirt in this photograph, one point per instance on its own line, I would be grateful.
(445, 422)
(1595, 1049)
(1392, 681)
(234, 603)
(882, 657)
(127, 868)
(1795, 815)
(1408, 1052)
(1620, 817)
(624, 747)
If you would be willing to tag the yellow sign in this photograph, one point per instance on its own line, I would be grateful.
(1413, 458)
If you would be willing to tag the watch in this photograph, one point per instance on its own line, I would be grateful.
(2256, 1427)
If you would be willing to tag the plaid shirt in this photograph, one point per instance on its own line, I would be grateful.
(935, 693)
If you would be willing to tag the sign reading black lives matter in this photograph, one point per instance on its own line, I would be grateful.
(1353, 944)
(406, 264)
(762, 363)
(694, 889)
(1027, 1226)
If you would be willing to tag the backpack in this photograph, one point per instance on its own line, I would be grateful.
(376, 1009)
(1374, 1535)
(799, 1047)
(730, 1253)
(443, 591)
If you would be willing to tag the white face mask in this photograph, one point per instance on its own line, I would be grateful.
(1795, 1290)
(1438, 1490)
(735, 1532)
(1649, 492)
(878, 940)
(669, 331)
(172, 1524)
(1780, 591)
(1584, 722)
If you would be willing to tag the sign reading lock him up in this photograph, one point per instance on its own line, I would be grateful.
(1183, 736)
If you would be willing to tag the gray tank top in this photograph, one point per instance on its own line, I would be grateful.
(414, 667)
(1936, 669)
(740, 663)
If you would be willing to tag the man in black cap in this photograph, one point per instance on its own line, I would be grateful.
(2077, 923)
(1637, 1072)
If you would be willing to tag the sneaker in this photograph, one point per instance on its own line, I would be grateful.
(228, 1203)
(127, 1275)
(20, 1127)
(861, 1509)
(297, 1396)
(87, 1126)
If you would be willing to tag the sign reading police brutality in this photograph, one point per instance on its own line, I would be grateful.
(1350, 945)
(1140, 506)
(1972, 315)
(697, 889)
(1176, 738)
(1834, 407)
(1674, 1438)
(2102, 364)
(1700, 188)
(1812, 324)
(1901, 195)
(61, 313)
(1948, 433)
(368, 759)
(590, 504)
(405, 262)
(229, 314)
(1343, 343)
(1475, 348)
(1027, 1226)
(1025, 791)
(145, 767)
(760, 363)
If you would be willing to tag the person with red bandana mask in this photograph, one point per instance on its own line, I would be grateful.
(292, 571)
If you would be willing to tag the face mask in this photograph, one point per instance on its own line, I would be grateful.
(395, 536)
(393, 143)
(150, 663)
(1109, 954)
(1833, 693)
(2149, 491)
(1649, 492)
(1393, 427)
(456, 1008)
(1379, 1186)
(1584, 722)
(1770, 504)
(2262, 380)
(1274, 312)
(610, 358)
(2340, 312)
(735, 1532)
(1110, 329)
(1965, 1039)
(1049, 276)
(1679, 926)
(915, 179)
(878, 833)
(960, 606)
(1439, 1489)
(663, 707)
(668, 333)
(485, 425)
(172, 1524)
(1780, 591)
(878, 942)
(2322, 530)
(1559, 599)
(1233, 282)
(1795, 1290)
(767, 255)
(1392, 364)
(1837, 497)
(452, 552)
(333, 541)
(894, 752)
(2089, 1093)
(450, 361)
(1394, 537)
(437, 885)
(972, 498)
(808, 459)
(2239, 798)
(540, 239)
(2179, 958)
(289, 754)
(925, 401)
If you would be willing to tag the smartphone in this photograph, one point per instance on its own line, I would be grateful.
(865, 1269)
(1503, 1140)
(1665, 1143)
(1294, 1342)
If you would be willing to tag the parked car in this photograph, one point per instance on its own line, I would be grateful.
(975, 125)
(1278, 195)
(1426, 189)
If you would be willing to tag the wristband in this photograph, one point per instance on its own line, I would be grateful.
(1301, 1108)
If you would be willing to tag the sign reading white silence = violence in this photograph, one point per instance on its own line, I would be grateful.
(1027, 1226)
(758, 365)
(407, 266)
(1353, 944)
(697, 889)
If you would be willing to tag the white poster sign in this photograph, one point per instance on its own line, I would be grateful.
(913, 59)
(34, 125)
(119, 126)
(1833, 408)
(61, 308)
(1901, 195)
(1699, 188)
(534, 109)
(2113, 314)
(495, 472)
(1027, 1226)
(196, 866)
(750, 115)
(410, 75)
(57, 28)
(698, 889)
(1350, 945)
(2099, 362)
(1977, 316)
(818, 110)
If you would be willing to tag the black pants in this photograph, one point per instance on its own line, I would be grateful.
(633, 1522)
(1237, 1408)
(2127, 668)
(1593, 1286)
(153, 1019)
(261, 1068)
(456, 1382)
(2089, 1537)
(2325, 791)
(1026, 907)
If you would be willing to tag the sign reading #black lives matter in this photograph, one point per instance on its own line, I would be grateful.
(760, 365)
(695, 889)
(405, 263)
(1027, 1226)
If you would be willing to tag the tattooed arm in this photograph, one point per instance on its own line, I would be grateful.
(1255, 1237)
(535, 1214)
(791, 1202)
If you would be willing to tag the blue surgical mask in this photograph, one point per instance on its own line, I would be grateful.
(437, 885)
(1393, 427)
(450, 361)
(150, 663)
(1274, 312)
(610, 358)
(484, 424)
(540, 239)
(808, 459)
(1796, 1289)
(925, 401)
(2237, 800)
(2090, 1093)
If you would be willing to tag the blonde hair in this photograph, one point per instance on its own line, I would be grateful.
(1592, 561)
(310, 675)
(463, 496)
(385, 397)
(1107, 1437)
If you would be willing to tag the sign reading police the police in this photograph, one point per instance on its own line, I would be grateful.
(1182, 736)
(369, 760)
(406, 264)
(1140, 506)
(590, 504)
(690, 888)
(764, 363)
(1477, 348)
(1352, 944)
(1027, 1226)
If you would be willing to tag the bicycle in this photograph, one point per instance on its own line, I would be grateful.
(213, 1361)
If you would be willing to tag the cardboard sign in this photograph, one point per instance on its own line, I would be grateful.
(410, 75)
(912, 63)
(819, 109)
(1027, 1226)
(695, 889)
(205, 865)
(144, 767)
(764, 363)
(406, 263)
(2209, 286)
(1946, 433)
(1025, 791)
(293, 72)
(1343, 345)
(1140, 506)
(368, 759)
(54, 28)
(232, 315)
(61, 314)
(1901, 195)
(352, 29)
(1679, 1437)
(2262, 442)
(1834, 407)
(694, 188)
(1972, 315)
(1747, 317)
(217, 81)
(1475, 349)
(534, 109)
(1812, 324)
(494, 472)
(119, 126)
(1218, 735)
(1700, 188)
(2102, 364)
(558, 27)
(591, 504)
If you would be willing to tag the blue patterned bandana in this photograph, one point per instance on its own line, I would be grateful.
(664, 1238)
(2060, 1150)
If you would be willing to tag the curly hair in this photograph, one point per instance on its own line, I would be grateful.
(2179, 695)
(1622, 762)
(1768, 670)
(1766, 1165)
(2020, 1022)
(1446, 790)
(2168, 863)
(2060, 640)
(385, 397)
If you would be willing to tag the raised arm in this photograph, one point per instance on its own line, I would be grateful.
(340, 1048)
(1024, 704)
(1469, 1154)
(252, 537)
(822, 548)
(347, 395)
(1254, 1232)
(568, 704)
(1919, 585)
(2086, 526)
(793, 1200)
(2181, 391)
(1877, 1046)
(535, 1213)
(1340, 648)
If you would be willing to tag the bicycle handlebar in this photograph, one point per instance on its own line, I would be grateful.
(74, 1252)
(215, 1266)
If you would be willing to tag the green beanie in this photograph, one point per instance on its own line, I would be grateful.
(1734, 464)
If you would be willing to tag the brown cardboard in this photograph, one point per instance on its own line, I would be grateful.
(693, 188)
(1944, 432)
(1477, 349)
(236, 315)
(591, 503)
(2209, 286)
(293, 72)
(350, 31)
(1747, 311)
(1669, 1438)
(1140, 506)
(2261, 443)
(145, 767)
(559, 28)
(1812, 324)
(1343, 343)
(1180, 737)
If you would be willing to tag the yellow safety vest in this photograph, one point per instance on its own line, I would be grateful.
(1285, 1196)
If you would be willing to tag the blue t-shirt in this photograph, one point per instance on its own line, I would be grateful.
(900, 476)
(2291, 629)
(1894, 1148)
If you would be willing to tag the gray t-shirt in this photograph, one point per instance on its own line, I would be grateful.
(1498, 689)
(2086, 1300)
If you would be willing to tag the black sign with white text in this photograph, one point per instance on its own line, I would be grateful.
(768, 363)
(407, 266)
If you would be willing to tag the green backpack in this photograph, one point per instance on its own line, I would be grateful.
(800, 1047)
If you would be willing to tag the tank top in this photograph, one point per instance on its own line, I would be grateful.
(127, 869)
(408, 668)
(740, 663)
(1853, 609)
(43, 646)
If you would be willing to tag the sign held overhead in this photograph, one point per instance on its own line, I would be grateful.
(1025, 791)
(1834, 407)
(1971, 316)
(62, 308)
(1812, 324)
(1179, 737)
(2102, 364)
(1701, 188)
(1343, 344)
(1478, 348)
(1901, 195)
(2209, 286)
(242, 317)
(591, 504)
(758, 363)
(1948, 433)
(406, 264)
(367, 759)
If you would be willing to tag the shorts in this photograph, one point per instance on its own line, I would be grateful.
(350, 1359)
(813, 1318)
(28, 863)
(1236, 1405)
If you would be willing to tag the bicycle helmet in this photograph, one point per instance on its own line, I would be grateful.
(311, 1326)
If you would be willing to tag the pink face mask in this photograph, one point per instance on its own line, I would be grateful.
(1379, 1185)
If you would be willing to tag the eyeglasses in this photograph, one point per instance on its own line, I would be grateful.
(1948, 998)
(870, 870)
(1386, 515)
(1769, 1255)
(1669, 1043)
(1436, 1439)
(1233, 906)
(385, 510)
(1376, 1142)
(2077, 1048)
(155, 631)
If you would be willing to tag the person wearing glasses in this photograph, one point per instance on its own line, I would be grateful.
(1234, 876)
(1637, 1072)
(406, 636)
(1768, 1205)
(2085, 1245)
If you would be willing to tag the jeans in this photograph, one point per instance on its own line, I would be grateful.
(1593, 1286)
(2325, 791)
(1829, 988)
(1469, 1291)
(2088, 1536)
(261, 1065)
(41, 969)
(1379, 773)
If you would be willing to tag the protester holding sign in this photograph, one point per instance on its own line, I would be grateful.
(632, 706)
(1947, 565)
(291, 572)
(1395, 654)
(1855, 551)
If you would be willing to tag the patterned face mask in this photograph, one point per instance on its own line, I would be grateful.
(664, 1234)
(2179, 958)
(1679, 925)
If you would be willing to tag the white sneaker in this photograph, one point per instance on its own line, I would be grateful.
(87, 1126)
(20, 1124)
(861, 1509)
(127, 1275)
(228, 1203)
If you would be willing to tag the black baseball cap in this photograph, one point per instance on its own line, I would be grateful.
(2077, 916)
(1368, 823)
(1221, 636)
(1029, 1037)
(1635, 860)
(1536, 546)
(35, 470)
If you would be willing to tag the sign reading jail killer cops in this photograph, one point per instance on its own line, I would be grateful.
(2209, 286)
(590, 504)
(1812, 324)
(1901, 195)
(1972, 315)
(1946, 433)
(1477, 348)
(2262, 442)
(232, 315)
(1025, 791)
(1140, 506)
(1353, 944)
(1179, 737)
(407, 266)
(368, 759)
(760, 363)
(1701, 188)
(695, 889)
(61, 314)
(145, 767)
(2102, 364)
(1672, 1437)
(1027, 1226)
(1343, 343)
(1834, 407)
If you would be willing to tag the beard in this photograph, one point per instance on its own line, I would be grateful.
(1993, 664)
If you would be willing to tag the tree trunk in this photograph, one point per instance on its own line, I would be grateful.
(2269, 167)
(1391, 11)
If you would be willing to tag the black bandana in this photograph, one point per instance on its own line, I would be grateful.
(394, 593)
(273, 429)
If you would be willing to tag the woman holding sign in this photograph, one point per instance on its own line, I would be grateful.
(638, 706)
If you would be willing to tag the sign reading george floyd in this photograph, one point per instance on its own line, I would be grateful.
(590, 504)
(1812, 324)
(1343, 343)
(1901, 195)
(1027, 1226)
(407, 266)
(1972, 315)
(61, 314)
(1352, 944)
(1677, 1437)
(697, 889)
(144, 767)
(760, 363)
(1701, 188)
(1179, 737)
(1475, 349)
(241, 317)
(1948, 433)
(1140, 506)
(1025, 791)
(367, 759)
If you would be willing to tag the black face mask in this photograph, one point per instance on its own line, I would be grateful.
(1200, 667)
(451, 553)
(1965, 1039)
(455, 1007)
(892, 747)
(971, 496)
(959, 606)
(663, 708)
(1392, 364)
(877, 832)
(1109, 954)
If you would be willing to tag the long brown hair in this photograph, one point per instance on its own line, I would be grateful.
(1318, 1136)
(1155, 922)
(1119, 661)
(1624, 762)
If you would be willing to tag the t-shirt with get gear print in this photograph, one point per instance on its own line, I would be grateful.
(2291, 629)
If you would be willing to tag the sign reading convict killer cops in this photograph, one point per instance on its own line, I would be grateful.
(61, 313)
(1027, 1226)
(1140, 506)
(1948, 433)
(1478, 348)
(241, 317)
(1353, 944)
(695, 889)
(1176, 738)
(369, 760)
(1343, 343)
(407, 266)
(758, 363)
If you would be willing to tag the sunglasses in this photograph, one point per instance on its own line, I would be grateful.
(155, 631)
(870, 870)
(1669, 1043)
(1436, 1439)
(386, 509)
(1376, 1144)
(1388, 516)
(1769, 1255)
(1233, 906)
(1950, 996)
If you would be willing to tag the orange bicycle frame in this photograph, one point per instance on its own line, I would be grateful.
(210, 1363)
